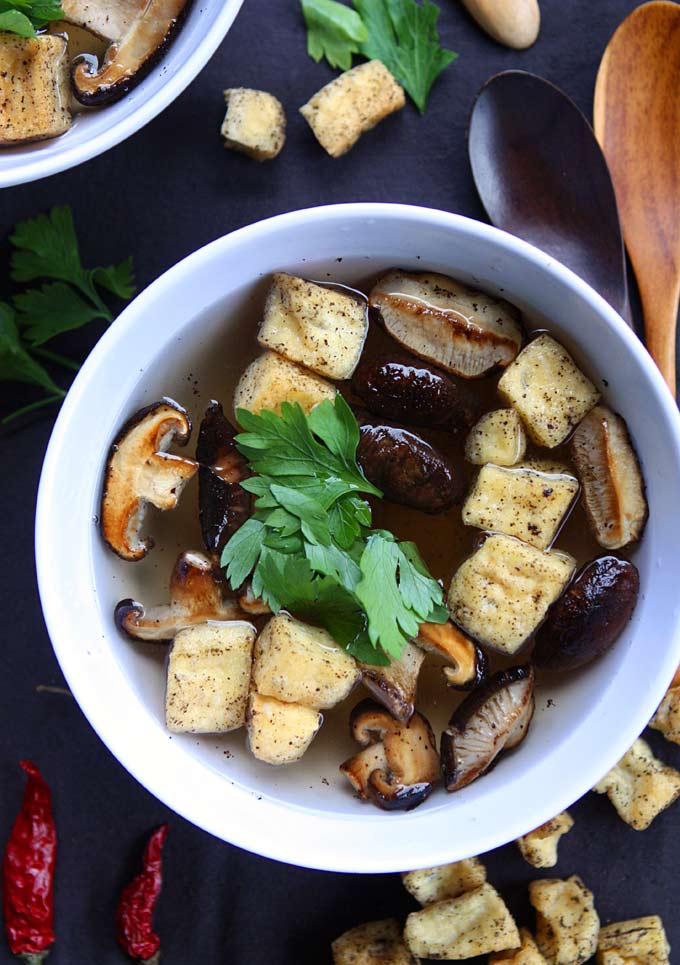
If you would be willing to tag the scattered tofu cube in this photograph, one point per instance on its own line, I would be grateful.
(375, 943)
(640, 941)
(34, 88)
(280, 733)
(301, 664)
(255, 123)
(548, 390)
(640, 786)
(527, 954)
(445, 881)
(208, 678)
(498, 437)
(352, 104)
(567, 925)
(476, 923)
(503, 591)
(667, 717)
(521, 501)
(321, 328)
(271, 380)
(539, 847)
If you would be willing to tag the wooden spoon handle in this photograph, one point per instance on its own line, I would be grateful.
(660, 309)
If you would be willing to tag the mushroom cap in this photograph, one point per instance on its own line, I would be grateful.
(494, 718)
(139, 470)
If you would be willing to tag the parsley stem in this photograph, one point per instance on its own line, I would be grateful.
(46, 353)
(48, 400)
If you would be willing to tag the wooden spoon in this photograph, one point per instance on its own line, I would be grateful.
(637, 121)
(541, 175)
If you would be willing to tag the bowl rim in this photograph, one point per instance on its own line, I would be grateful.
(33, 167)
(276, 831)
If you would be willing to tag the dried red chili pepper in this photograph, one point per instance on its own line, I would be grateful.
(137, 902)
(28, 873)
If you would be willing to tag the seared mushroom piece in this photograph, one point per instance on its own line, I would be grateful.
(223, 503)
(130, 56)
(463, 331)
(613, 487)
(110, 19)
(590, 616)
(395, 686)
(414, 393)
(398, 765)
(467, 662)
(195, 597)
(139, 470)
(251, 604)
(408, 469)
(492, 719)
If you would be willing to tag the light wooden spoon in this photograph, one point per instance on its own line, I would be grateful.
(637, 122)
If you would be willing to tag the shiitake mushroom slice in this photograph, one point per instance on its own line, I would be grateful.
(398, 765)
(492, 719)
(609, 471)
(589, 616)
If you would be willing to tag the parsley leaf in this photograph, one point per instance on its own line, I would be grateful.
(403, 35)
(47, 247)
(334, 31)
(16, 365)
(52, 309)
(286, 446)
(308, 548)
(23, 17)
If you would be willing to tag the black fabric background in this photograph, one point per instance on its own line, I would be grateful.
(163, 193)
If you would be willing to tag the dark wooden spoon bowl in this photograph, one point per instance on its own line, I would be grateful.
(541, 175)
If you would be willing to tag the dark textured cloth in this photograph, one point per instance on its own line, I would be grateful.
(163, 193)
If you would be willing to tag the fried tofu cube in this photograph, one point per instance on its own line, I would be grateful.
(476, 923)
(445, 881)
(539, 847)
(34, 88)
(521, 501)
(352, 104)
(640, 786)
(667, 717)
(320, 328)
(208, 678)
(375, 943)
(280, 733)
(503, 591)
(640, 941)
(527, 954)
(497, 437)
(255, 123)
(548, 390)
(301, 664)
(271, 379)
(567, 925)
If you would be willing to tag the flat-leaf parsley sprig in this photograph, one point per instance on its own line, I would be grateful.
(68, 296)
(401, 33)
(309, 547)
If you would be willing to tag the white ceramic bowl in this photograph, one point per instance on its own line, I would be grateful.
(95, 131)
(182, 329)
